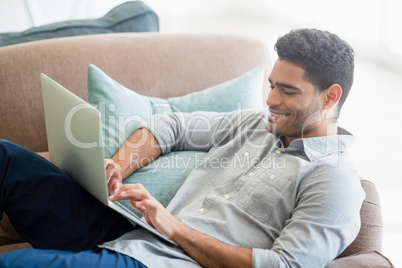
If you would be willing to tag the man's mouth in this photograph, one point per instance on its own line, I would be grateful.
(275, 117)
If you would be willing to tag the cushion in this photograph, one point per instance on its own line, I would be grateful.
(132, 16)
(363, 259)
(123, 109)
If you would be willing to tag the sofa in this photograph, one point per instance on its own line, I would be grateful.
(157, 66)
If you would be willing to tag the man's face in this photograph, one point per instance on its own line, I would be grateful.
(294, 105)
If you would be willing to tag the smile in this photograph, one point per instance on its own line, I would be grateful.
(275, 117)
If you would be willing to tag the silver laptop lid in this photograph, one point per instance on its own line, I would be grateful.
(74, 135)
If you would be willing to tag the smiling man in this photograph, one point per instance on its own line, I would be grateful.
(309, 84)
(301, 213)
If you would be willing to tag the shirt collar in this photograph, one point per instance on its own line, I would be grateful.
(318, 147)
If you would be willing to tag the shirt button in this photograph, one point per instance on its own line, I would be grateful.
(201, 210)
(227, 196)
(272, 177)
(246, 154)
(251, 174)
(278, 151)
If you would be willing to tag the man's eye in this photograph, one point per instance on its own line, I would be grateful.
(288, 92)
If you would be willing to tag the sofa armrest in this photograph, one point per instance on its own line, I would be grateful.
(362, 260)
(45, 155)
(8, 235)
(12, 247)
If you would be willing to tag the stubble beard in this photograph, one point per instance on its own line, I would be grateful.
(296, 125)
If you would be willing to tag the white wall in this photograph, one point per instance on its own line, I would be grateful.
(15, 15)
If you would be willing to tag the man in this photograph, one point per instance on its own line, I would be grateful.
(295, 203)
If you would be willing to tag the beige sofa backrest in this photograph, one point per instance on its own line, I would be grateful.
(152, 64)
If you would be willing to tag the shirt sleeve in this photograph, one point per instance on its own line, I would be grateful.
(325, 221)
(198, 131)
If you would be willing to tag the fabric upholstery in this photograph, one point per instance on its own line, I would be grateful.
(365, 259)
(9, 238)
(132, 16)
(370, 235)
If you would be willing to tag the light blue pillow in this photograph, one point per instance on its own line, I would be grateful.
(123, 109)
(164, 176)
(244, 92)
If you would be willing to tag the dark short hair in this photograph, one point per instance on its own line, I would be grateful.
(325, 58)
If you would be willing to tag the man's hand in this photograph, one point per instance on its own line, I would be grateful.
(154, 212)
(113, 175)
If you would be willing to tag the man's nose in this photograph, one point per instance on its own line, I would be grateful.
(274, 98)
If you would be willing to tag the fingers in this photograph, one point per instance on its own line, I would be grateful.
(114, 186)
(113, 170)
(113, 174)
(108, 161)
(153, 211)
(133, 192)
(140, 199)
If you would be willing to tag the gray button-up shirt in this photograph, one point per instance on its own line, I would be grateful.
(295, 207)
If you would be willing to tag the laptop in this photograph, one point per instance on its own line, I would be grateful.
(74, 136)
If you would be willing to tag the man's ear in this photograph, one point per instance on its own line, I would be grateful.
(331, 96)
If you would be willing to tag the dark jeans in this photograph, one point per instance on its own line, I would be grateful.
(49, 210)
